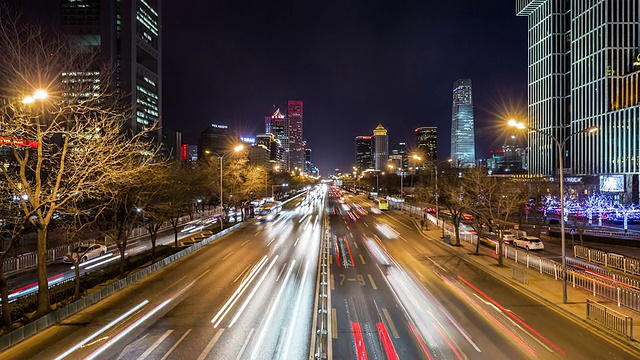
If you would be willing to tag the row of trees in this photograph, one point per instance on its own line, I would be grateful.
(71, 160)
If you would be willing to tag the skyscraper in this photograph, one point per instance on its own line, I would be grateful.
(278, 126)
(296, 144)
(364, 153)
(127, 35)
(427, 142)
(381, 148)
(463, 144)
(584, 70)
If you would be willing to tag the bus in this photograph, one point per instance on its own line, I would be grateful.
(268, 211)
(383, 204)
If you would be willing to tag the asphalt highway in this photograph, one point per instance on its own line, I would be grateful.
(461, 311)
(248, 295)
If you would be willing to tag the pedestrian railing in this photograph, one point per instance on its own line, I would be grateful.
(611, 319)
(615, 261)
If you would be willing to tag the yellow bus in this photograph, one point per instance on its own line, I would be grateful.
(383, 204)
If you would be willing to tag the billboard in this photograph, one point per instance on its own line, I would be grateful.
(295, 107)
(612, 183)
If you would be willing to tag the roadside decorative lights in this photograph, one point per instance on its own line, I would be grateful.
(560, 146)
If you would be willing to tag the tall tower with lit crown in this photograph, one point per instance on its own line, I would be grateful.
(381, 147)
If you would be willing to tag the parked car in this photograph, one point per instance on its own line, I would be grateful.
(85, 253)
(529, 243)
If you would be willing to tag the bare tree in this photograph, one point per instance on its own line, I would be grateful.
(480, 189)
(453, 197)
(66, 127)
(13, 227)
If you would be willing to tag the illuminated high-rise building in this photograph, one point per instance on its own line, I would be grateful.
(463, 143)
(364, 153)
(427, 143)
(278, 126)
(296, 144)
(584, 70)
(380, 148)
(127, 35)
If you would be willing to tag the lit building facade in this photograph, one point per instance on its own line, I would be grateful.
(584, 70)
(295, 112)
(427, 143)
(364, 152)
(399, 157)
(127, 34)
(463, 143)
(278, 126)
(380, 148)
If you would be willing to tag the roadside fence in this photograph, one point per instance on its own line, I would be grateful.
(611, 319)
(615, 261)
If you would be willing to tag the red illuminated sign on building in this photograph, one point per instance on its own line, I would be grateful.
(295, 107)
(183, 151)
(7, 141)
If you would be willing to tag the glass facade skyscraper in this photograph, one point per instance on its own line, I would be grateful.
(364, 153)
(584, 70)
(463, 143)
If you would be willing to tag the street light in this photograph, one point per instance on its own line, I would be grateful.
(438, 195)
(39, 94)
(221, 156)
(560, 146)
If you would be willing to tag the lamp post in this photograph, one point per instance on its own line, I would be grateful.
(438, 195)
(560, 147)
(391, 167)
(221, 156)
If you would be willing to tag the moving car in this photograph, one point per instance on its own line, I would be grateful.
(529, 243)
(84, 253)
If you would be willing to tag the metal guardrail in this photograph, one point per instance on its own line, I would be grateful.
(321, 341)
(611, 319)
(54, 317)
(615, 261)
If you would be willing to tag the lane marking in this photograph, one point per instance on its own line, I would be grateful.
(355, 243)
(245, 242)
(201, 275)
(373, 283)
(155, 345)
(243, 271)
(210, 345)
(281, 270)
(176, 345)
(392, 326)
(334, 323)
(296, 243)
(362, 259)
(333, 285)
(105, 328)
(227, 256)
(330, 260)
(294, 318)
(244, 346)
(270, 242)
(252, 293)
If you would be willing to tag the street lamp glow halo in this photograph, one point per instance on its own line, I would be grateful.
(40, 94)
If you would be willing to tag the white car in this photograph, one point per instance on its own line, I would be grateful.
(508, 237)
(529, 243)
(85, 252)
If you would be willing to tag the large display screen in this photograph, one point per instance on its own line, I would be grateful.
(612, 183)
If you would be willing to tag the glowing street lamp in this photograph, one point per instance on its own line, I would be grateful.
(560, 146)
(39, 94)
(221, 156)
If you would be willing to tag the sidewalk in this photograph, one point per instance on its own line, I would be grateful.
(541, 287)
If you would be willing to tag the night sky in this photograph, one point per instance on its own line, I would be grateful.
(354, 63)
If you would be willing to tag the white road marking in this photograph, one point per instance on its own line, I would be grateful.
(244, 346)
(213, 341)
(296, 243)
(175, 345)
(155, 345)
(243, 271)
(227, 256)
